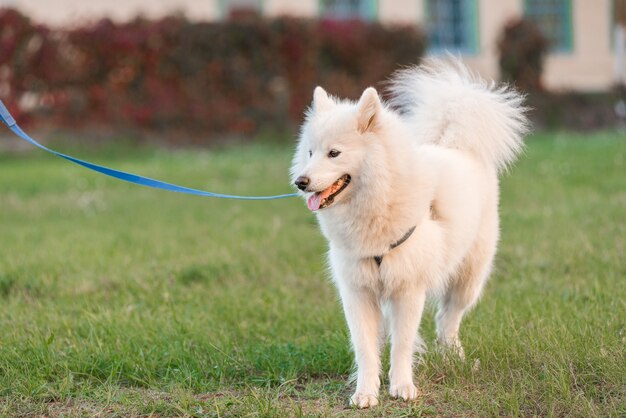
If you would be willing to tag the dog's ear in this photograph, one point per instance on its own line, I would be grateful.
(369, 108)
(321, 101)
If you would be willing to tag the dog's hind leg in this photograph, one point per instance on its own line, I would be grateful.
(463, 291)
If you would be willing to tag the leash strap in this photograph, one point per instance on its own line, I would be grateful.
(8, 120)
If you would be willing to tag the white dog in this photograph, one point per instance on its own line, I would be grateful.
(407, 196)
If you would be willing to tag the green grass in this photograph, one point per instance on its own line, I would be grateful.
(120, 300)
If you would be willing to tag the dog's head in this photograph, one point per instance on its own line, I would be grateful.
(334, 141)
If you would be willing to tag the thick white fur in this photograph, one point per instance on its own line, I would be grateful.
(431, 162)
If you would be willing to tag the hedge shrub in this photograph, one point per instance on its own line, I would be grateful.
(522, 49)
(211, 78)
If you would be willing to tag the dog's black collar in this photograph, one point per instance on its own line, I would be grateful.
(379, 258)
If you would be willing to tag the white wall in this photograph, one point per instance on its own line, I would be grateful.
(301, 8)
(70, 12)
(408, 12)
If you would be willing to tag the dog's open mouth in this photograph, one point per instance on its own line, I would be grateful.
(326, 197)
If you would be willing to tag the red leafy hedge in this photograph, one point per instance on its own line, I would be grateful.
(216, 78)
(522, 49)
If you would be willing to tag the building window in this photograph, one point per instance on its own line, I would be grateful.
(349, 9)
(554, 18)
(452, 25)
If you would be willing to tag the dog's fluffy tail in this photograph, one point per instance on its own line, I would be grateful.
(450, 106)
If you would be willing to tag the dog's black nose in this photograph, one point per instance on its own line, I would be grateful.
(302, 182)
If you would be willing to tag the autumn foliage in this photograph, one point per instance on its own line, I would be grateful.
(211, 77)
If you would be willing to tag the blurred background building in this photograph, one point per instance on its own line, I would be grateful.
(586, 43)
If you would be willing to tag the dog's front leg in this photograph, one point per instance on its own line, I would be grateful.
(406, 313)
(364, 319)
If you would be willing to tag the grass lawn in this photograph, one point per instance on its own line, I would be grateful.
(121, 300)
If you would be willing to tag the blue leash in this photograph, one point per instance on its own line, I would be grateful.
(8, 119)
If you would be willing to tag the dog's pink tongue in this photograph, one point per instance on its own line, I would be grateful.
(316, 199)
(314, 202)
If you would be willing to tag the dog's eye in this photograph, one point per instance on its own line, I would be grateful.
(310, 153)
(333, 153)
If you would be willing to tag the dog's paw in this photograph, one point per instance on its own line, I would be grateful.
(456, 350)
(452, 347)
(406, 391)
(363, 400)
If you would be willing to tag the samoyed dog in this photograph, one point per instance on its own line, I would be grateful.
(406, 193)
